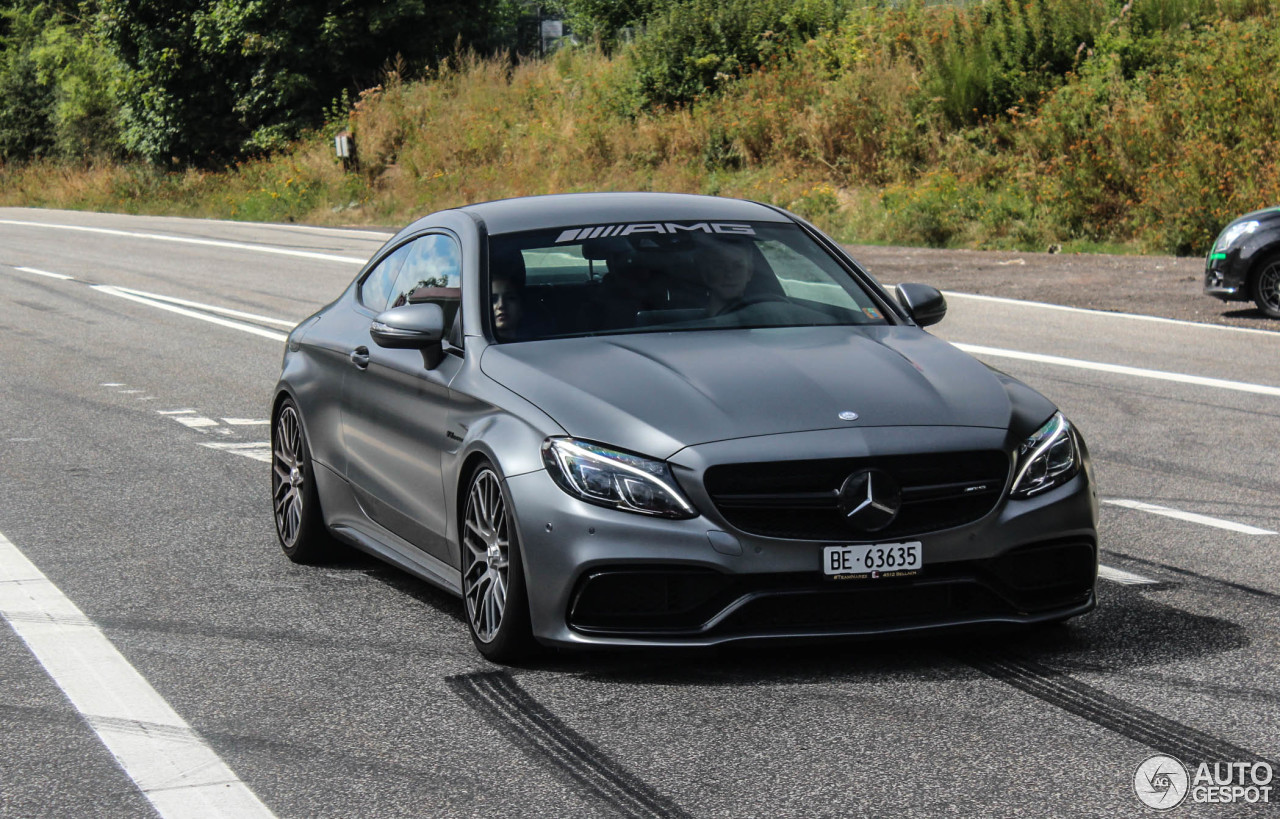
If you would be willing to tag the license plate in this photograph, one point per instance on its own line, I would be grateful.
(872, 562)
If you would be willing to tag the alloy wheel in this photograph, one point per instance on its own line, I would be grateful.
(1269, 287)
(288, 479)
(488, 555)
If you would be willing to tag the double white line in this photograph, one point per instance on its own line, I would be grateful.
(201, 311)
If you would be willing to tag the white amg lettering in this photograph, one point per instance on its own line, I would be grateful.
(668, 228)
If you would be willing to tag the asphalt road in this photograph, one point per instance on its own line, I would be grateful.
(131, 432)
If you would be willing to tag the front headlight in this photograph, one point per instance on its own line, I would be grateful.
(1232, 233)
(619, 480)
(1049, 458)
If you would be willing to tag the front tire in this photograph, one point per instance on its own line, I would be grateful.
(1265, 286)
(493, 587)
(296, 503)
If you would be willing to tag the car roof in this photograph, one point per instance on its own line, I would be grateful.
(579, 209)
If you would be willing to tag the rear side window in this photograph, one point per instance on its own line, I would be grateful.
(375, 290)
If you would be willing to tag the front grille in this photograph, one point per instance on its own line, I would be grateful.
(800, 499)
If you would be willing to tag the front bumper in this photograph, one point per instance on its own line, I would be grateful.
(1221, 278)
(599, 577)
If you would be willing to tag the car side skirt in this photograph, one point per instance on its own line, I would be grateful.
(348, 522)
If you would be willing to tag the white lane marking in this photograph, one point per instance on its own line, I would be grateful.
(350, 232)
(177, 412)
(209, 308)
(130, 392)
(1120, 369)
(1190, 517)
(172, 766)
(1107, 313)
(1124, 578)
(194, 421)
(257, 451)
(59, 276)
(164, 237)
(245, 422)
(111, 384)
(173, 308)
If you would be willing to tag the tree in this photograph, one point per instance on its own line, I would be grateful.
(601, 20)
(26, 105)
(215, 79)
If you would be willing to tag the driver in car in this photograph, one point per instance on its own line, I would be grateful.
(726, 274)
(732, 273)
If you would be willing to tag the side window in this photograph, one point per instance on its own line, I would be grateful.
(431, 273)
(375, 290)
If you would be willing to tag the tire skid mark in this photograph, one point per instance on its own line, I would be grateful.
(501, 702)
(1163, 735)
(1198, 576)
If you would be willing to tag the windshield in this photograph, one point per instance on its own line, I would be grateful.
(662, 276)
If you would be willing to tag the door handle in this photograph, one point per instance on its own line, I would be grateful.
(360, 358)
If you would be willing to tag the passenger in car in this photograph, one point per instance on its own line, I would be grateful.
(514, 318)
(506, 293)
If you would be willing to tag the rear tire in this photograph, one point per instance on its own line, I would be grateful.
(296, 503)
(493, 587)
(1264, 287)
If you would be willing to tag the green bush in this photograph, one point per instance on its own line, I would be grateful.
(601, 20)
(26, 104)
(1170, 155)
(943, 210)
(693, 47)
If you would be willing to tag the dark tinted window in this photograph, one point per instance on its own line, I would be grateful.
(666, 276)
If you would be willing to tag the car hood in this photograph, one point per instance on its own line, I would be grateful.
(1264, 215)
(656, 393)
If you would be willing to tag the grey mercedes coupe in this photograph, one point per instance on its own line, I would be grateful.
(643, 419)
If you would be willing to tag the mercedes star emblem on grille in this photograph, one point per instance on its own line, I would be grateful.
(870, 499)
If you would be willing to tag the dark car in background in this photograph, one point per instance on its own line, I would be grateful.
(1244, 262)
(610, 420)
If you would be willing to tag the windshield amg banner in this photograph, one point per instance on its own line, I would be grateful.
(604, 231)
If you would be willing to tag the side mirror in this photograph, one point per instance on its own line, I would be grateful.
(923, 303)
(412, 327)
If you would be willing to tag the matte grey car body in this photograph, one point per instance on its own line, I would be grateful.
(773, 443)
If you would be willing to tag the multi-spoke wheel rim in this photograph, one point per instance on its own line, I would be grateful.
(1269, 286)
(487, 554)
(287, 479)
